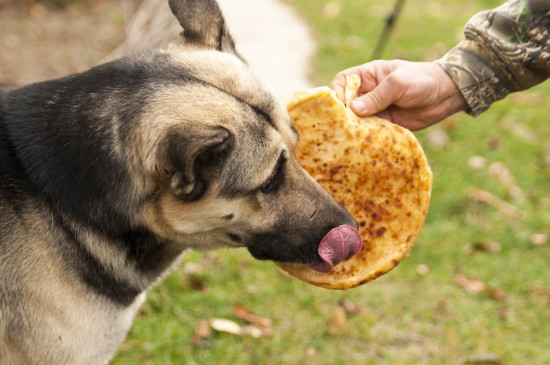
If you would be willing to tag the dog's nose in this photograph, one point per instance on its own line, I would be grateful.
(347, 217)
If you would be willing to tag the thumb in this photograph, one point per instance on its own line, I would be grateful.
(377, 100)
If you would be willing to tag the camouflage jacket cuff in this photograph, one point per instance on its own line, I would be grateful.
(507, 49)
(480, 84)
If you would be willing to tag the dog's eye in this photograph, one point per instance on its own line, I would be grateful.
(277, 179)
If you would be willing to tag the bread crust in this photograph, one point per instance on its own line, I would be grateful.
(377, 169)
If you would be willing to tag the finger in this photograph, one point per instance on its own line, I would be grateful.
(381, 97)
(365, 72)
(338, 84)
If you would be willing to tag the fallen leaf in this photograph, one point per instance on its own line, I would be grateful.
(477, 162)
(253, 331)
(225, 325)
(470, 285)
(484, 359)
(202, 331)
(503, 313)
(476, 286)
(519, 130)
(196, 282)
(503, 174)
(493, 143)
(539, 239)
(436, 138)
(423, 269)
(331, 10)
(244, 314)
(311, 351)
(349, 307)
(491, 247)
(541, 294)
(338, 321)
(191, 268)
(528, 98)
(494, 201)
(228, 326)
(547, 154)
(144, 310)
(496, 293)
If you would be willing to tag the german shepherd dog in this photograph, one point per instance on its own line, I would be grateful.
(108, 176)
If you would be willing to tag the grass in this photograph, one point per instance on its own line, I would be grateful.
(416, 314)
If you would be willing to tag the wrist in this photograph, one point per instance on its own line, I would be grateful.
(450, 92)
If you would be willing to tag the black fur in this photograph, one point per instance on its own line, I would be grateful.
(57, 147)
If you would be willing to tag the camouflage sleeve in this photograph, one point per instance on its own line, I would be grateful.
(506, 49)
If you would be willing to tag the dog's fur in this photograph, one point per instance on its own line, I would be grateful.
(107, 176)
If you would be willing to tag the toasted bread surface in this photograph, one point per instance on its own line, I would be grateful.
(377, 169)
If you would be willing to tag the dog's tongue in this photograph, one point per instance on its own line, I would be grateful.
(338, 245)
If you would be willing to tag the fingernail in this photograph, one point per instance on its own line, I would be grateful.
(358, 105)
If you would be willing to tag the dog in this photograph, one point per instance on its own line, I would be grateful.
(108, 176)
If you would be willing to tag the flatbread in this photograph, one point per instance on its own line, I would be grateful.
(377, 169)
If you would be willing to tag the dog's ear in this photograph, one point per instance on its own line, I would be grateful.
(195, 159)
(203, 24)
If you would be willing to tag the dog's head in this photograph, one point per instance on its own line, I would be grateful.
(220, 152)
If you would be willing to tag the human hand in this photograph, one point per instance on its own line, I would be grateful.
(414, 95)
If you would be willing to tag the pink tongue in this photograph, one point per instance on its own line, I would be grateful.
(338, 245)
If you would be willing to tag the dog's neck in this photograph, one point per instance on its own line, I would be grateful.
(117, 267)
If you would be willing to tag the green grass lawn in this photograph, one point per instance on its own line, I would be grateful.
(474, 287)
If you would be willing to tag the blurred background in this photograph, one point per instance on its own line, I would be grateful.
(475, 288)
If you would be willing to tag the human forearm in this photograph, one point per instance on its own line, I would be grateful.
(506, 49)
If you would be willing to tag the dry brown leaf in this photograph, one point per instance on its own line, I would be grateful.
(476, 286)
(202, 331)
(503, 313)
(244, 314)
(541, 294)
(493, 143)
(228, 326)
(519, 130)
(494, 201)
(470, 285)
(196, 282)
(496, 293)
(254, 331)
(331, 9)
(477, 162)
(484, 359)
(539, 239)
(338, 321)
(436, 138)
(422, 269)
(547, 154)
(528, 98)
(349, 307)
(503, 174)
(491, 247)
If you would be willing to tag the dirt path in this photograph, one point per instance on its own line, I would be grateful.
(275, 41)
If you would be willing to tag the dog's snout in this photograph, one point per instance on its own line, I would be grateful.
(313, 214)
(350, 220)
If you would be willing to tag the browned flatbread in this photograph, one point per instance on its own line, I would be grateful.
(377, 169)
